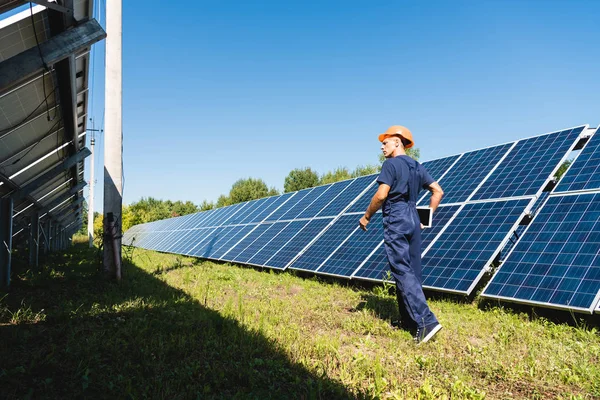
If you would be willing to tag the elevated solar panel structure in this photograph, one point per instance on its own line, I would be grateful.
(469, 172)
(460, 254)
(334, 191)
(270, 232)
(235, 235)
(529, 165)
(584, 173)
(312, 195)
(350, 194)
(376, 266)
(291, 203)
(556, 263)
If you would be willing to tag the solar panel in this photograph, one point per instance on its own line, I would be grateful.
(334, 190)
(529, 165)
(270, 205)
(298, 196)
(270, 232)
(584, 174)
(289, 230)
(377, 265)
(468, 173)
(301, 205)
(228, 213)
(311, 259)
(456, 260)
(254, 208)
(195, 239)
(354, 190)
(239, 247)
(346, 258)
(556, 262)
(286, 254)
(235, 235)
(438, 167)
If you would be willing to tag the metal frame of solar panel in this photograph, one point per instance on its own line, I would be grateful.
(556, 263)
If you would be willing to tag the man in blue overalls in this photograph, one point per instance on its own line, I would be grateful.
(400, 181)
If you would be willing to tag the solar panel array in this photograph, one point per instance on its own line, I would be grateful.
(488, 192)
(556, 262)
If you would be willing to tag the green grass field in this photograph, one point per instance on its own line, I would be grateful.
(178, 327)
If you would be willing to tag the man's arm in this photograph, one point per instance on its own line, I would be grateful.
(376, 203)
(436, 195)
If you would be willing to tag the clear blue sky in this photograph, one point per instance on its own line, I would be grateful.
(217, 91)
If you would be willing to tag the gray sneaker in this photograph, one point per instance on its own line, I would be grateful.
(426, 333)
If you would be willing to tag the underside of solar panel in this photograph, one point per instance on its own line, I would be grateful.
(491, 195)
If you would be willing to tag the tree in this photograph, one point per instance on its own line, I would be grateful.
(562, 169)
(180, 208)
(249, 189)
(206, 205)
(363, 170)
(339, 174)
(300, 178)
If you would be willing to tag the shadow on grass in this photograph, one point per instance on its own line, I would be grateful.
(77, 335)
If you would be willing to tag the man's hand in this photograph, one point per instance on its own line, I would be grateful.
(363, 223)
(422, 226)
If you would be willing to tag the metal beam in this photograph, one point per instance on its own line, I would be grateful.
(46, 176)
(53, 6)
(61, 198)
(27, 64)
(34, 241)
(6, 212)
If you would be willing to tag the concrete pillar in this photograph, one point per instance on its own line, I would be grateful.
(6, 220)
(113, 140)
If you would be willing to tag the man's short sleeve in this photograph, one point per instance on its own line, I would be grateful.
(387, 174)
(426, 179)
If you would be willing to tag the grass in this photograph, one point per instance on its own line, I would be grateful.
(178, 327)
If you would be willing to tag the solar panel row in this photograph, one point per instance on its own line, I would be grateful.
(317, 229)
(556, 262)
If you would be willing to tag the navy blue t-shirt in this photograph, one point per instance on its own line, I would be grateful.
(395, 173)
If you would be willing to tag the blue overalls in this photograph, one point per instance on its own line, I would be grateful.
(402, 242)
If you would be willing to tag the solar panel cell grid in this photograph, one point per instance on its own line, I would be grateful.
(238, 248)
(235, 235)
(529, 165)
(352, 191)
(289, 230)
(265, 237)
(468, 173)
(322, 201)
(459, 255)
(345, 260)
(282, 258)
(556, 262)
(318, 251)
(301, 205)
(584, 174)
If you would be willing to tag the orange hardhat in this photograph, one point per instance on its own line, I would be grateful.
(398, 130)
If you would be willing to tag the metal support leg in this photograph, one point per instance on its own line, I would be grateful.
(6, 216)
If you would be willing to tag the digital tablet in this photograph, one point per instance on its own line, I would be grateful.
(425, 215)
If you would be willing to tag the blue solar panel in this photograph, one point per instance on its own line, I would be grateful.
(227, 214)
(288, 231)
(352, 191)
(301, 205)
(270, 205)
(322, 201)
(360, 244)
(245, 242)
(283, 257)
(529, 165)
(377, 265)
(468, 173)
(297, 197)
(195, 239)
(556, 262)
(204, 243)
(183, 241)
(270, 232)
(326, 244)
(437, 168)
(217, 238)
(584, 174)
(252, 210)
(235, 235)
(456, 260)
